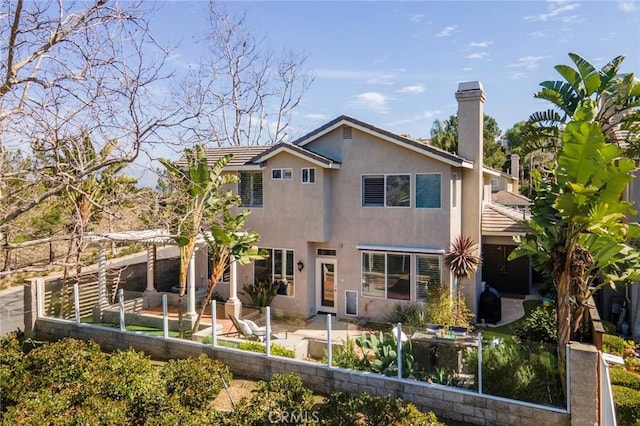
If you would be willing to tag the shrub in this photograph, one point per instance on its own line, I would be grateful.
(276, 349)
(410, 314)
(632, 364)
(609, 327)
(384, 350)
(614, 345)
(12, 370)
(439, 309)
(627, 403)
(195, 382)
(526, 372)
(261, 293)
(347, 356)
(271, 401)
(539, 326)
(620, 376)
(355, 409)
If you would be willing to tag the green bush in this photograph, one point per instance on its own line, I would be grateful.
(439, 309)
(609, 327)
(364, 409)
(347, 356)
(526, 372)
(261, 293)
(195, 382)
(276, 349)
(12, 370)
(620, 376)
(539, 326)
(627, 403)
(273, 400)
(614, 345)
(384, 349)
(409, 314)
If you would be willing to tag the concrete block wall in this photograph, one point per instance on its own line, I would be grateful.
(448, 403)
(584, 384)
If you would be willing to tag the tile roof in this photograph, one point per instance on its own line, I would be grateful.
(242, 155)
(509, 198)
(298, 150)
(501, 220)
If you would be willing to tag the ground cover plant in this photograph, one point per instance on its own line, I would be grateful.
(74, 382)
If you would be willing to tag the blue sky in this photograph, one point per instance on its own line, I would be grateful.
(397, 65)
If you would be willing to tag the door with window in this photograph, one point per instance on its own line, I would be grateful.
(326, 286)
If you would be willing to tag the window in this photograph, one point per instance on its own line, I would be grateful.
(428, 191)
(325, 252)
(427, 275)
(308, 175)
(250, 189)
(277, 267)
(386, 275)
(386, 191)
(281, 174)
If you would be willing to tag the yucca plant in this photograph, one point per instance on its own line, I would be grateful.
(463, 260)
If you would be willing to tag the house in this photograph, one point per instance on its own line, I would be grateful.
(357, 218)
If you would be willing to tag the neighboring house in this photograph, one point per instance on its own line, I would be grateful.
(357, 219)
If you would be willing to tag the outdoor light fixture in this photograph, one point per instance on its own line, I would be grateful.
(300, 265)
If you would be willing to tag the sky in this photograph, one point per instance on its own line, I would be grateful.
(397, 65)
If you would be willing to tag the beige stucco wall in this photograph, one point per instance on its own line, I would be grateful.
(330, 214)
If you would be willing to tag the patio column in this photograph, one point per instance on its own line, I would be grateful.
(233, 305)
(151, 268)
(191, 287)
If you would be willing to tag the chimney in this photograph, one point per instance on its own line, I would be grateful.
(515, 166)
(471, 97)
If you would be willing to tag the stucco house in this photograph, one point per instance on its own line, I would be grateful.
(357, 218)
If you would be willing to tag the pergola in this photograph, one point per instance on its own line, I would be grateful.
(153, 238)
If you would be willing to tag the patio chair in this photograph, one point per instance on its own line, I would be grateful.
(244, 330)
(257, 330)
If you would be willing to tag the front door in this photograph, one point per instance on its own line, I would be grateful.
(326, 296)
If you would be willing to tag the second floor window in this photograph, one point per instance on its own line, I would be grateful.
(308, 175)
(281, 174)
(386, 190)
(250, 189)
(428, 191)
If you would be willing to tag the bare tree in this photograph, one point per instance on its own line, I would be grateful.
(246, 91)
(76, 68)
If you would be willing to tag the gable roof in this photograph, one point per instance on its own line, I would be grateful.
(422, 148)
(500, 221)
(298, 151)
(242, 156)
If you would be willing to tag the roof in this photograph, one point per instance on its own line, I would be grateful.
(242, 156)
(412, 144)
(509, 198)
(298, 151)
(500, 220)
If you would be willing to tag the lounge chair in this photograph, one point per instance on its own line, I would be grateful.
(244, 330)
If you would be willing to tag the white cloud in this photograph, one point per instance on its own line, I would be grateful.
(478, 55)
(528, 62)
(415, 89)
(373, 101)
(316, 117)
(480, 44)
(416, 17)
(431, 114)
(556, 10)
(627, 6)
(517, 75)
(367, 77)
(447, 31)
(467, 69)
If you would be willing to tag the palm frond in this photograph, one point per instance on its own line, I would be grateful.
(463, 259)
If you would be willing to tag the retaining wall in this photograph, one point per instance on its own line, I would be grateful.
(448, 403)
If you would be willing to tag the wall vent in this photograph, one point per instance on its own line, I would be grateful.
(346, 132)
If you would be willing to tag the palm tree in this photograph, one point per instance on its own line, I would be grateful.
(463, 260)
(613, 99)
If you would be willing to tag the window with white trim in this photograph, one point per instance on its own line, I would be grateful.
(277, 267)
(428, 191)
(427, 274)
(281, 174)
(386, 190)
(250, 189)
(308, 175)
(386, 275)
